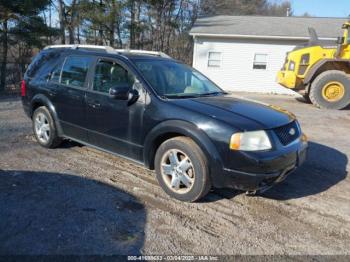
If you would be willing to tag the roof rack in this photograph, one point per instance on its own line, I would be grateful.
(106, 48)
(110, 49)
(134, 51)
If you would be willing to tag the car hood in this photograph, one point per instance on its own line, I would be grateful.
(243, 114)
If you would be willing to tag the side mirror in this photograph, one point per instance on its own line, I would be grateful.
(119, 93)
(133, 96)
(340, 40)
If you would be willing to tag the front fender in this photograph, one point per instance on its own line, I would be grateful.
(41, 99)
(184, 128)
(313, 70)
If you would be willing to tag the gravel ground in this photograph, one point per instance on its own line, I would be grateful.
(77, 200)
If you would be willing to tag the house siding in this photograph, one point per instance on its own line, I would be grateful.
(236, 72)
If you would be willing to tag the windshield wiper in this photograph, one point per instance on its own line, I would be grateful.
(181, 96)
(213, 93)
(184, 95)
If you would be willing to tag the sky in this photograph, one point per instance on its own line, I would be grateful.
(323, 8)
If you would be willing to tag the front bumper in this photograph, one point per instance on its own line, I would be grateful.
(248, 181)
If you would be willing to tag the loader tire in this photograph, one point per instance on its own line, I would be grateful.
(331, 90)
(306, 97)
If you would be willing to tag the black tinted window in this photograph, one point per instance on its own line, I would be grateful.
(56, 73)
(42, 64)
(75, 70)
(170, 78)
(109, 74)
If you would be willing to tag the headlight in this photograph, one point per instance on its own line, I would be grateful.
(250, 141)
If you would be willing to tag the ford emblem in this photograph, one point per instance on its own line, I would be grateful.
(292, 132)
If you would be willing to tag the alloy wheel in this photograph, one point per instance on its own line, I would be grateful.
(42, 128)
(177, 171)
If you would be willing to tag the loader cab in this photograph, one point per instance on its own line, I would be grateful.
(346, 36)
(343, 43)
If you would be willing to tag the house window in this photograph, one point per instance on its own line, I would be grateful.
(260, 61)
(214, 59)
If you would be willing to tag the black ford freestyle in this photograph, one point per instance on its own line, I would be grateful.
(149, 108)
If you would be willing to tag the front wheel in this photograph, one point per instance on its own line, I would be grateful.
(182, 169)
(331, 90)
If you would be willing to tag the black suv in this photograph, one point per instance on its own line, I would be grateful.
(154, 110)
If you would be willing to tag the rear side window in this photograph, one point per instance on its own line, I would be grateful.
(75, 70)
(56, 73)
(42, 64)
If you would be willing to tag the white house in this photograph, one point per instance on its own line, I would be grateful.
(244, 53)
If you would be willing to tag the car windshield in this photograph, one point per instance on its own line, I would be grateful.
(175, 80)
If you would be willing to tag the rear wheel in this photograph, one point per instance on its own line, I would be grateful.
(44, 128)
(331, 90)
(182, 169)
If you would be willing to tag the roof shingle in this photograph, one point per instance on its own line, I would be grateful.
(268, 26)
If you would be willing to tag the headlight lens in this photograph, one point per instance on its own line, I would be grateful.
(250, 141)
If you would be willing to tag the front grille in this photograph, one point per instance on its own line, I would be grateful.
(288, 133)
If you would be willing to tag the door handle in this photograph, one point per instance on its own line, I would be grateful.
(94, 104)
(52, 93)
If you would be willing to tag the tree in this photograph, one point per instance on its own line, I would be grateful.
(233, 7)
(306, 14)
(68, 15)
(61, 18)
(19, 20)
(101, 21)
(245, 7)
(283, 8)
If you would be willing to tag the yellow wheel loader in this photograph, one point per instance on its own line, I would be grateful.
(320, 72)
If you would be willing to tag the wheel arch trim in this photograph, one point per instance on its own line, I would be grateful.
(313, 70)
(181, 128)
(43, 100)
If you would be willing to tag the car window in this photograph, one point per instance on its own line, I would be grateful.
(42, 65)
(109, 74)
(170, 79)
(75, 70)
(56, 73)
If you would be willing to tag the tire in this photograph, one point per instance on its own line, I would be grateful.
(306, 97)
(194, 172)
(44, 128)
(319, 85)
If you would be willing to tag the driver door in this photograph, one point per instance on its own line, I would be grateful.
(108, 119)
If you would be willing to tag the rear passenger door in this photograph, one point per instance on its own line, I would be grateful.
(70, 100)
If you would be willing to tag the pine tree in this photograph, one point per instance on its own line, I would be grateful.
(20, 22)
